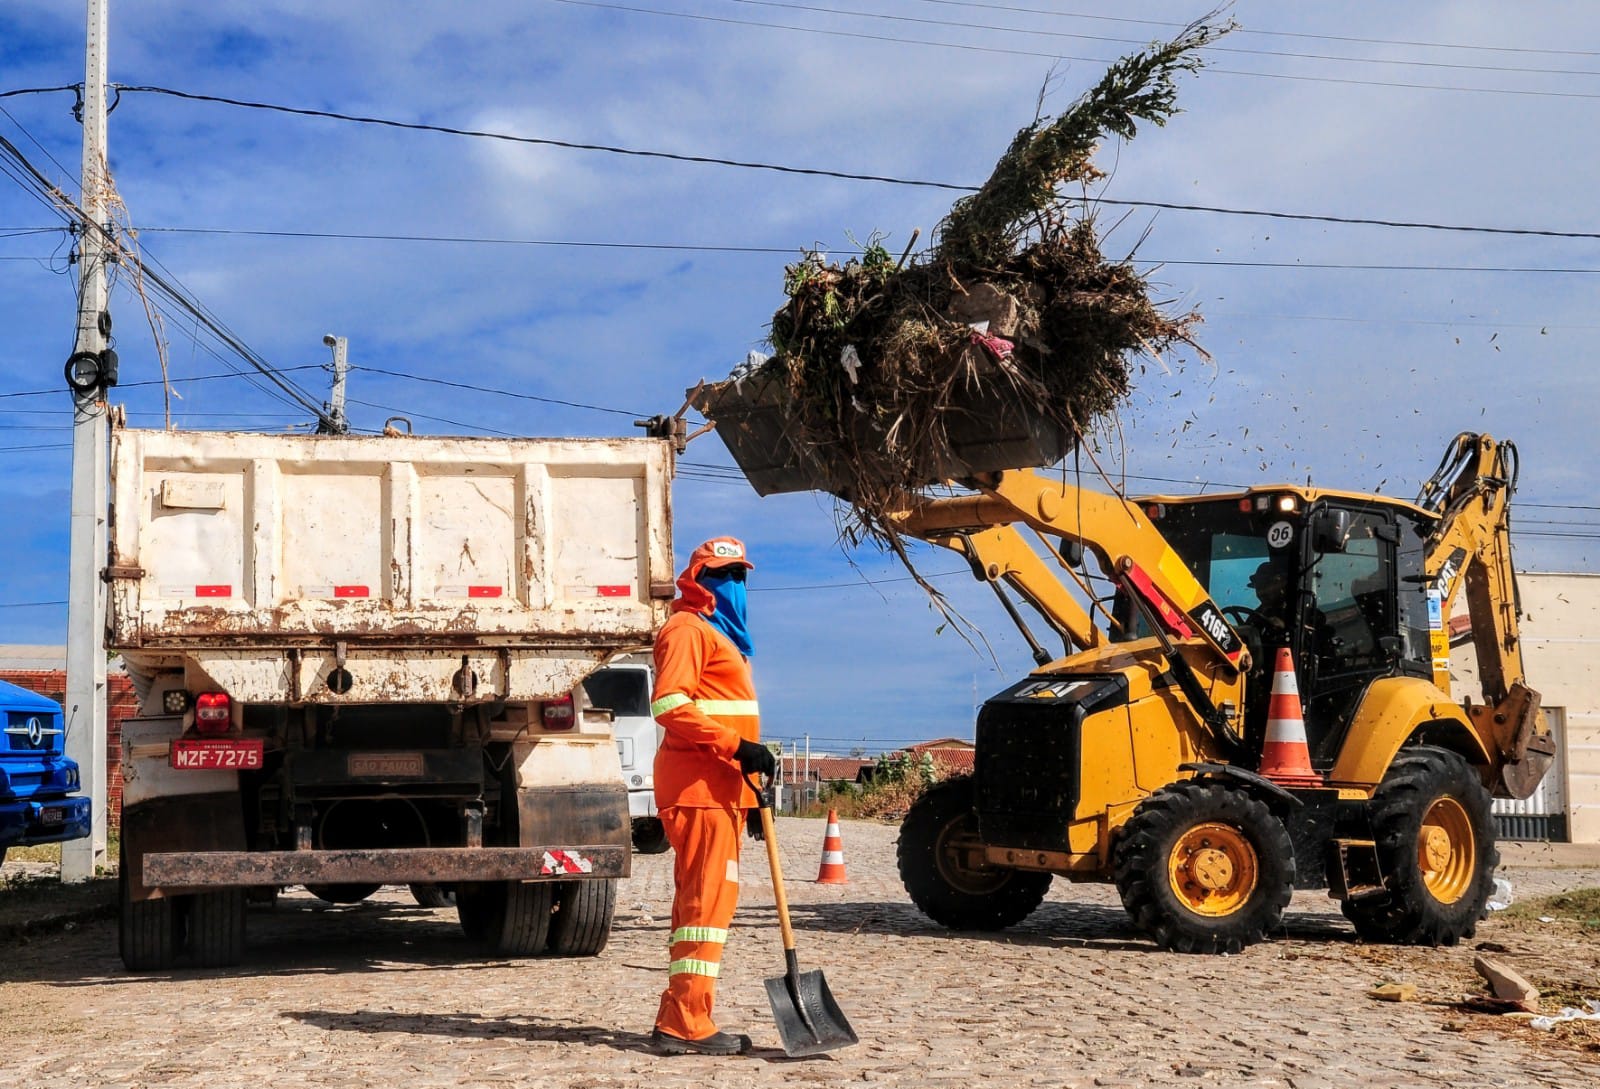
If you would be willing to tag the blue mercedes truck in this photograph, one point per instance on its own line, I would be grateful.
(39, 799)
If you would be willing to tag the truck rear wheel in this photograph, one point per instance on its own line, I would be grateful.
(940, 865)
(147, 930)
(512, 918)
(216, 928)
(1434, 832)
(1204, 868)
(581, 925)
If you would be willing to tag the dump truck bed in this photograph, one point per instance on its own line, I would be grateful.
(523, 561)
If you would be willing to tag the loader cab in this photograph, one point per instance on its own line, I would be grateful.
(1336, 578)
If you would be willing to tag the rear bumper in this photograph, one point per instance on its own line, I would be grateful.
(641, 803)
(391, 866)
(51, 821)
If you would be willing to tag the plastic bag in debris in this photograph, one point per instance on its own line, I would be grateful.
(1500, 898)
(1569, 1013)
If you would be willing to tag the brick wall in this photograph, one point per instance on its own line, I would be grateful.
(121, 703)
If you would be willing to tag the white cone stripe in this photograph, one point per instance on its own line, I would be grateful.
(833, 858)
(1284, 683)
(1286, 729)
(831, 832)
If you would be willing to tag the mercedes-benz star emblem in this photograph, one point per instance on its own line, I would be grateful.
(35, 732)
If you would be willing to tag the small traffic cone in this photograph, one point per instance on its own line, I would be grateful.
(832, 870)
(1285, 757)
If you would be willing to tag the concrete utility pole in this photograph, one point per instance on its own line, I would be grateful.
(89, 372)
(335, 422)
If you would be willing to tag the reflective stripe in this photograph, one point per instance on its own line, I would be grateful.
(670, 702)
(700, 934)
(691, 967)
(728, 707)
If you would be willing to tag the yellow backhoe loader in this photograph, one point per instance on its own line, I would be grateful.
(1138, 757)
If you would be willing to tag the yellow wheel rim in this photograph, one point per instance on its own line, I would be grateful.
(1213, 869)
(1447, 850)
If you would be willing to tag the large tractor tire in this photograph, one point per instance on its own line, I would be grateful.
(343, 894)
(581, 925)
(941, 867)
(1431, 821)
(1204, 868)
(148, 931)
(511, 918)
(434, 896)
(216, 928)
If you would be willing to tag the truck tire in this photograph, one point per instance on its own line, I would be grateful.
(1431, 822)
(1204, 867)
(511, 918)
(649, 836)
(216, 928)
(936, 839)
(147, 930)
(581, 925)
(342, 894)
(434, 896)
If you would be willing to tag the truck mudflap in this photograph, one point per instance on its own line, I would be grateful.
(389, 866)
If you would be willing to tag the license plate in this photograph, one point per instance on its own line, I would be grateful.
(386, 765)
(227, 754)
(52, 816)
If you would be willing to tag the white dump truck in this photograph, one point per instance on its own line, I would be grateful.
(360, 662)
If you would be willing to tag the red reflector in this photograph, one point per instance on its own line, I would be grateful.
(1244, 505)
(213, 591)
(212, 713)
(615, 591)
(483, 591)
(558, 714)
(351, 591)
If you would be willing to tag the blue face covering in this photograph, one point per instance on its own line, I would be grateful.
(729, 618)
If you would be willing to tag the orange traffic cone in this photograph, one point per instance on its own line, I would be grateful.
(1285, 757)
(832, 871)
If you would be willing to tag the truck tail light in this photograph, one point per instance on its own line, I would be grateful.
(558, 714)
(212, 713)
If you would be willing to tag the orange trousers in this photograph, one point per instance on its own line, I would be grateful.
(705, 876)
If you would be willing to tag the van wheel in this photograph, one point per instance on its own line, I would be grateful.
(1434, 832)
(581, 925)
(147, 930)
(434, 896)
(939, 866)
(649, 836)
(216, 928)
(511, 918)
(342, 894)
(1204, 868)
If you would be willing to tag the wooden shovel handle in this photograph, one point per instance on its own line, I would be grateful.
(770, 837)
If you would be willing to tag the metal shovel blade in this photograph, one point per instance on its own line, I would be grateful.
(809, 1020)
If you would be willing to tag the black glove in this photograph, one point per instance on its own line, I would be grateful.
(752, 824)
(756, 759)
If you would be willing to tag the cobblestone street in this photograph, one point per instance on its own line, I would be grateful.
(389, 994)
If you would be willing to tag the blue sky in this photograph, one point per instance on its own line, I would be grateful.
(1330, 360)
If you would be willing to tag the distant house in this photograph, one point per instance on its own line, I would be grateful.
(823, 769)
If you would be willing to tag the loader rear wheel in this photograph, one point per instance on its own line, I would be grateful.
(1204, 868)
(148, 931)
(1434, 832)
(511, 918)
(581, 925)
(343, 894)
(940, 858)
(433, 896)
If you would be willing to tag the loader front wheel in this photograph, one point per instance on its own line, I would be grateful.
(942, 868)
(1434, 832)
(1204, 868)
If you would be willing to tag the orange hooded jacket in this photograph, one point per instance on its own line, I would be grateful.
(705, 698)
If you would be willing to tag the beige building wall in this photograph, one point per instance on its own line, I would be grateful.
(1561, 653)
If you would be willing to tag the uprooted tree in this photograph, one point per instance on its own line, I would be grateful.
(890, 376)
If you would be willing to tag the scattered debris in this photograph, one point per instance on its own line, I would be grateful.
(1500, 898)
(1000, 347)
(1394, 992)
(1569, 1013)
(1508, 987)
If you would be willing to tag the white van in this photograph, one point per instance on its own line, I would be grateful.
(624, 687)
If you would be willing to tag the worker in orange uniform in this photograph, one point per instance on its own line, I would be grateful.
(705, 702)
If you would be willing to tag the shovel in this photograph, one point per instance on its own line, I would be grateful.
(809, 1020)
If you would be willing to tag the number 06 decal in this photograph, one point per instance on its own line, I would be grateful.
(1280, 535)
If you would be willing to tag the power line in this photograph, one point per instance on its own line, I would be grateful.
(839, 174)
(1034, 32)
(496, 392)
(157, 382)
(973, 48)
(1264, 33)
